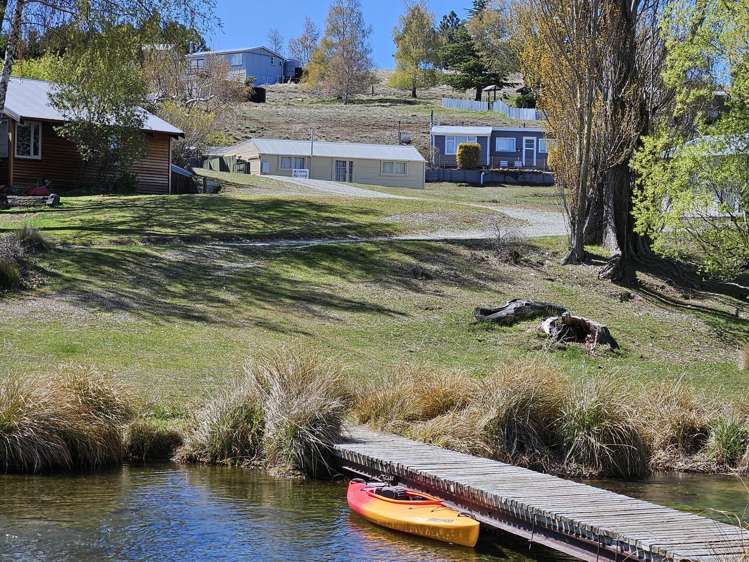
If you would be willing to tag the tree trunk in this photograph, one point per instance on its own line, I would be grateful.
(479, 91)
(413, 90)
(14, 34)
(593, 229)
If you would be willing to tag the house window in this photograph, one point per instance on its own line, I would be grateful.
(542, 146)
(235, 59)
(506, 144)
(196, 64)
(29, 140)
(453, 142)
(285, 163)
(394, 169)
(299, 163)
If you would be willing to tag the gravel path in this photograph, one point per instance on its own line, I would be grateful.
(337, 188)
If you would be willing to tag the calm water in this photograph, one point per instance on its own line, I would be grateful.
(210, 513)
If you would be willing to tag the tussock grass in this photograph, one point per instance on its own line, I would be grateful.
(729, 438)
(457, 430)
(286, 412)
(31, 240)
(228, 429)
(304, 401)
(10, 275)
(74, 420)
(411, 394)
(30, 437)
(524, 401)
(601, 433)
(676, 418)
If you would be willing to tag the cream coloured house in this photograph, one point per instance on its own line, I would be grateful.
(389, 165)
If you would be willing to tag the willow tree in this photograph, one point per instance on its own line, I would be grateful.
(598, 66)
(694, 168)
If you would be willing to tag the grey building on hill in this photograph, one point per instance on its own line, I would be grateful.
(262, 63)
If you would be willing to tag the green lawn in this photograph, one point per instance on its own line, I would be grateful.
(175, 319)
(242, 215)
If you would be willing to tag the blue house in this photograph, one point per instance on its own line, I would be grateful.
(262, 63)
(501, 147)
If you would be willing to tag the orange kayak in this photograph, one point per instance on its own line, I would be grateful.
(409, 511)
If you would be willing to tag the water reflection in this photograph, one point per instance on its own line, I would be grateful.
(214, 513)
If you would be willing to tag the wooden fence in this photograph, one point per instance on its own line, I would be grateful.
(498, 106)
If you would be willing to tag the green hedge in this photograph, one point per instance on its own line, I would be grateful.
(469, 156)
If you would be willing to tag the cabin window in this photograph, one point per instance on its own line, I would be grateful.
(453, 142)
(29, 140)
(196, 64)
(4, 138)
(235, 59)
(542, 146)
(299, 163)
(394, 169)
(285, 163)
(506, 144)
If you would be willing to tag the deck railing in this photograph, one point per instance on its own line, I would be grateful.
(498, 106)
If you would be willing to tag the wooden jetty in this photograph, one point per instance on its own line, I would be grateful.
(576, 519)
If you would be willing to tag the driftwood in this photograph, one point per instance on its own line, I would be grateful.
(51, 200)
(517, 310)
(567, 328)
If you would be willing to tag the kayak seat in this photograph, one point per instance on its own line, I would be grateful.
(392, 492)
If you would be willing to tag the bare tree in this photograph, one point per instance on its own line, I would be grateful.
(276, 41)
(342, 66)
(302, 47)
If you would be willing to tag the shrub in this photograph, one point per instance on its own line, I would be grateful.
(304, 401)
(728, 439)
(523, 402)
(148, 441)
(599, 431)
(469, 156)
(228, 429)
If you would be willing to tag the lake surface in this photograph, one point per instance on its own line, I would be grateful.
(213, 513)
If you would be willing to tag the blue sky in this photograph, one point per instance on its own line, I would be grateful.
(246, 22)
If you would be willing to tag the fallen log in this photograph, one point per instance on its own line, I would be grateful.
(567, 328)
(516, 310)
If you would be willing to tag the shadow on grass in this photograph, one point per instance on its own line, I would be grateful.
(206, 218)
(217, 284)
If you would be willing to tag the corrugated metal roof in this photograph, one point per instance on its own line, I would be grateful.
(336, 150)
(29, 99)
(230, 51)
(458, 130)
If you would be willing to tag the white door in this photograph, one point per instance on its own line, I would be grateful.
(529, 152)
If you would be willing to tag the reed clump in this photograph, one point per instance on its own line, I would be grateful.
(729, 438)
(73, 420)
(285, 413)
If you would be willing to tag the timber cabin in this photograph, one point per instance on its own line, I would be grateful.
(31, 152)
(501, 147)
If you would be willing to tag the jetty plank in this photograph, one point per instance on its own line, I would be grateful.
(572, 517)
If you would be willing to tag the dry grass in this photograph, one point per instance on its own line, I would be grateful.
(411, 394)
(457, 430)
(72, 421)
(743, 358)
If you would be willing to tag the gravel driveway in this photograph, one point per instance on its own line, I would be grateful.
(337, 188)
